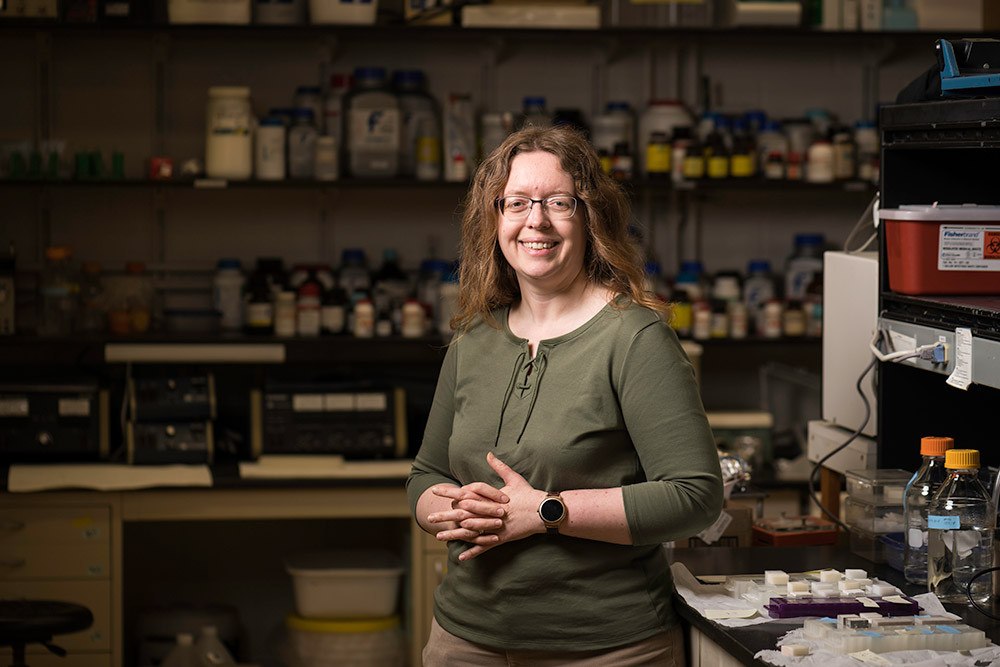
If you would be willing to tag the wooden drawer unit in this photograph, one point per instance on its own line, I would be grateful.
(55, 542)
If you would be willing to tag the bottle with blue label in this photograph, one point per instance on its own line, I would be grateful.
(420, 132)
(374, 125)
(960, 523)
(805, 264)
(919, 492)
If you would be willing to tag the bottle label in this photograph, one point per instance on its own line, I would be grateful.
(658, 158)
(943, 522)
(377, 129)
(718, 166)
(742, 165)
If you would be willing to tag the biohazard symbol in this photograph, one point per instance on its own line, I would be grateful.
(991, 249)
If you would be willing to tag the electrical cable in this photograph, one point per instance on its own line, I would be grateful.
(850, 439)
(968, 592)
(868, 214)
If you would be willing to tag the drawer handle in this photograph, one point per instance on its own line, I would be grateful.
(11, 525)
(13, 564)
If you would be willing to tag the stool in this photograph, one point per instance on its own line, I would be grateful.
(24, 622)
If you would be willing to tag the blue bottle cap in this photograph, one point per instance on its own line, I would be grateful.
(408, 76)
(307, 90)
(272, 121)
(228, 263)
(809, 239)
(692, 266)
(534, 101)
(434, 266)
(369, 73)
(756, 116)
(617, 106)
(771, 126)
(303, 113)
(864, 125)
(759, 266)
(352, 255)
(653, 269)
(722, 123)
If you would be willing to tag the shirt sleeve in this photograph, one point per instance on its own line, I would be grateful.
(662, 408)
(431, 465)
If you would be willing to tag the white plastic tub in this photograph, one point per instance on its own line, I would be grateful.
(343, 11)
(345, 584)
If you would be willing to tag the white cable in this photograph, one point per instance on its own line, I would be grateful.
(899, 355)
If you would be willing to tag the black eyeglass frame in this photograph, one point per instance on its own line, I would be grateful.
(499, 203)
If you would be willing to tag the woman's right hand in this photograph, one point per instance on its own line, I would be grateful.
(474, 511)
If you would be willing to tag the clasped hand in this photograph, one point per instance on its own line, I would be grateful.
(485, 516)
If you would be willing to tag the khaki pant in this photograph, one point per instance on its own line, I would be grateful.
(444, 649)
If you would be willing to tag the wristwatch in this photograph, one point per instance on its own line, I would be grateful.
(552, 510)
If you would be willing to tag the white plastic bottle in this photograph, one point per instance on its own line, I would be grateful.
(448, 300)
(960, 523)
(661, 116)
(919, 492)
(758, 289)
(269, 152)
(302, 137)
(228, 133)
(227, 293)
(420, 119)
(373, 125)
(183, 654)
(210, 649)
(805, 263)
(333, 106)
(819, 162)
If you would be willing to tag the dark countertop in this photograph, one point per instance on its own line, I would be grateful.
(743, 643)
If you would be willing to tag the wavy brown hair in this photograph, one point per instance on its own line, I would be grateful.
(611, 259)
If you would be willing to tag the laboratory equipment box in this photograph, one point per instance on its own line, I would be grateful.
(877, 519)
(884, 486)
(949, 249)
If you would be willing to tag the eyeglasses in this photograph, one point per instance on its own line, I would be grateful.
(558, 207)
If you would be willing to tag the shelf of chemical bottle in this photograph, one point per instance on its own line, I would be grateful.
(636, 186)
(236, 348)
(218, 349)
(397, 29)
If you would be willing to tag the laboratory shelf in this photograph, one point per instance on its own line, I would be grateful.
(98, 350)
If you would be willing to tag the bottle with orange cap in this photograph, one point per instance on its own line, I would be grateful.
(960, 523)
(59, 292)
(919, 491)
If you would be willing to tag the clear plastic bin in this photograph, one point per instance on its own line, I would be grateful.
(876, 519)
(878, 487)
(867, 545)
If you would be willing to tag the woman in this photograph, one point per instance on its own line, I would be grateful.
(567, 439)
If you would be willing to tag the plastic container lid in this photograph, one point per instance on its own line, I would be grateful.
(935, 446)
(534, 101)
(653, 268)
(759, 266)
(956, 459)
(434, 266)
(617, 106)
(864, 124)
(771, 126)
(408, 76)
(808, 239)
(756, 115)
(296, 622)
(368, 74)
(352, 255)
(58, 252)
(229, 91)
(228, 263)
(957, 212)
(692, 266)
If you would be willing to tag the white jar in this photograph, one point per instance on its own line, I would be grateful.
(270, 149)
(819, 163)
(227, 293)
(327, 168)
(308, 310)
(413, 319)
(608, 131)
(284, 314)
(302, 137)
(364, 319)
(228, 133)
(662, 116)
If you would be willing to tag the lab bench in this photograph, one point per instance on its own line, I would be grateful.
(110, 549)
(713, 644)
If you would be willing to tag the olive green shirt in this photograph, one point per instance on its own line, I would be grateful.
(612, 404)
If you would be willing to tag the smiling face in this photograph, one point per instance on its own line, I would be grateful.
(546, 254)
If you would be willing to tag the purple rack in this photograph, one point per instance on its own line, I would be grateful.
(831, 607)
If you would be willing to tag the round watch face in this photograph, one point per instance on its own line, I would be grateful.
(552, 510)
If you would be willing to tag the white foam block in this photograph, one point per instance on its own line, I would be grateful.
(795, 649)
(798, 586)
(775, 577)
(881, 590)
(824, 585)
(829, 575)
(855, 574)
(848, 585)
